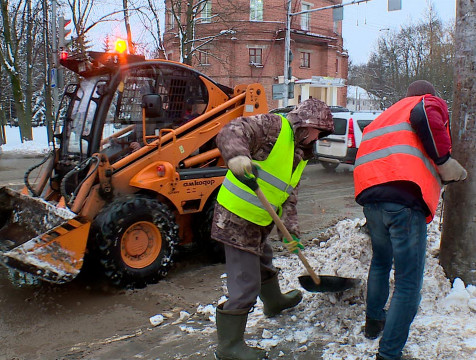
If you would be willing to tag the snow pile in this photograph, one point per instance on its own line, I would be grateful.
(38, 146)
(445, 327)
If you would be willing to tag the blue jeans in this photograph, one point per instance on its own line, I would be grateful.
(398, 235)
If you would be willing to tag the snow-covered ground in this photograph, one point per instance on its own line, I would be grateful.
(444, 329)
(38, 146)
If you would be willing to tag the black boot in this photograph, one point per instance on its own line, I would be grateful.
(231, 326)
(373, 328)
(274, 301)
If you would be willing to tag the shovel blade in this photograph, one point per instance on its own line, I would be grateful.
(328, 283)
(39, 239)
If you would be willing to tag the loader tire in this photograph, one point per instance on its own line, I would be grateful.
(214, 250)
(138, 241)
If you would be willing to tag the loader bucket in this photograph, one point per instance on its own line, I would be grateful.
(40, 239)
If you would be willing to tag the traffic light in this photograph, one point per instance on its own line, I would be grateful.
(63, 33)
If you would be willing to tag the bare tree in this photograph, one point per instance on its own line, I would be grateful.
(47, 64)
(130, 44)
(150, 15)
(458, 248)
(187, 14)
(15, 28)
(83, 22)
(418, 51)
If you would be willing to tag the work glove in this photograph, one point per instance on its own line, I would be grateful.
(294, 245)
(239, 165)
(451, 170)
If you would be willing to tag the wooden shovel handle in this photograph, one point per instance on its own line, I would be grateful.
(286, 233)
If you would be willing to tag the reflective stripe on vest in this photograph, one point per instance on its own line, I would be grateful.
(391, 151)
(275, 178)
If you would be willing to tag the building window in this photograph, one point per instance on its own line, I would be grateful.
(256, 10)
(306, 17)
(305, 59)
(203, 56)
(255, 56)
(206, 13)
(337, 66)
(171, 20)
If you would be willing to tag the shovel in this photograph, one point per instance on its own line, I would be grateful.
(311, 282)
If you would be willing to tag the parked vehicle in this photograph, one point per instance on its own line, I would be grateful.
(342, 145)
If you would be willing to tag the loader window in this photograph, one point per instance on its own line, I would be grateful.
(81, 118)
(184, 96)
(61, 115)
(122, 131)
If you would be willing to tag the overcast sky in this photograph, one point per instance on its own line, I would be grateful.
(362, 25)
(365, 22)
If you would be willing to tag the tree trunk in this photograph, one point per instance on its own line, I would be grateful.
(29, 67)
(130, 44)
(47, 64)
(458, 245)
(11, 66)
(189, 34)
(3, 122)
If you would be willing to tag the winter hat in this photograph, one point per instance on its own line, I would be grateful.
(420, 87)
(312, 113)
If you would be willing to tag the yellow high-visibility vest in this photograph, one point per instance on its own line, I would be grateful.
(276, 179)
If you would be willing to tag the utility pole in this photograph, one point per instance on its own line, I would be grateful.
(287, 50)
(458, 246)
(54, 48)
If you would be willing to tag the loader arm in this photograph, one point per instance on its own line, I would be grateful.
(175, 150)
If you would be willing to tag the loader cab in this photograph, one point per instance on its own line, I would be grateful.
(103, 113)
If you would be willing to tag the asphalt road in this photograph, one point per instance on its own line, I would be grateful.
(13, 168)
(88, 319)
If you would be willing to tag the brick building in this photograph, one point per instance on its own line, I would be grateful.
(243, 41)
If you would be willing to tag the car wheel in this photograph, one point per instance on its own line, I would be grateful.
(329, 165)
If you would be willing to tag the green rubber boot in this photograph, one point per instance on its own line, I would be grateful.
(231, 326)
(274, 301)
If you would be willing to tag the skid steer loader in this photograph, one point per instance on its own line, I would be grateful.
(134, 172)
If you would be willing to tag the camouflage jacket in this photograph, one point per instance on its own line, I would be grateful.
(254, 137)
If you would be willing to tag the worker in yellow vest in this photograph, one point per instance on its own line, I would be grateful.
(279, 147)
(403, 159)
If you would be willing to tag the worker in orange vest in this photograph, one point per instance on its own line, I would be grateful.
(402, 162)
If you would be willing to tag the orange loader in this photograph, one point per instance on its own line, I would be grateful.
(133, 173)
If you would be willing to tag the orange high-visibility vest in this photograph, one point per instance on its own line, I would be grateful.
(391, 151)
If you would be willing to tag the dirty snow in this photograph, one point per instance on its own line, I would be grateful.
(156, 320)
(445, 327)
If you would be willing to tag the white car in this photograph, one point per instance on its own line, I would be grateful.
(342, 145)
